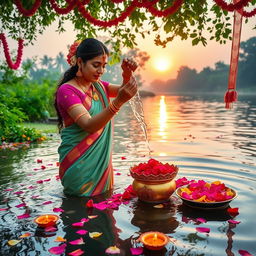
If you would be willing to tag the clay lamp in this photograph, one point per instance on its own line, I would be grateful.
(154, 240)
(46, 220)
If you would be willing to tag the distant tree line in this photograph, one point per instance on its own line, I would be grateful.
(215, 79)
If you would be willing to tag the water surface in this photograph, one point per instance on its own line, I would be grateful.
(198, 134)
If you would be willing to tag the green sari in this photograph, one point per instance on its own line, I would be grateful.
(86, 159)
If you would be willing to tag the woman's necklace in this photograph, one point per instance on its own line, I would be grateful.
(92, 95)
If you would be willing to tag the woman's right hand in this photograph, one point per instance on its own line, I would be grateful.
(126, 92)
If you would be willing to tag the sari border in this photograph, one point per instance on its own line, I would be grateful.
(78, 151)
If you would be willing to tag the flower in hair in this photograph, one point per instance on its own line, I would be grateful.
(71, 57)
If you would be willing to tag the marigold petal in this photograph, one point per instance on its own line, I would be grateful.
(95, 234)
(13, 242)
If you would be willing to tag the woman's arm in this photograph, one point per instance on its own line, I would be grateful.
(92, 124)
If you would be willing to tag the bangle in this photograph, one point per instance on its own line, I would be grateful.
(114, 105)
(112, 108)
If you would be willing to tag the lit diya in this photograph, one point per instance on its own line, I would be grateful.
(154, 240)
(46, 220)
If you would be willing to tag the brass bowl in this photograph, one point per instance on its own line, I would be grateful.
(154, 191)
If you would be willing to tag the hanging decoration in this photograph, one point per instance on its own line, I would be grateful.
(231, 94)
(30, 12)
(17, 63)
(150, 5)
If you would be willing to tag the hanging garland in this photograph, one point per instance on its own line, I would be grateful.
(17, 63)
(249, 14)
(170, 10)
(25, 12)
(232, 7)
(108, 23)
(80, 4)
(65, 10)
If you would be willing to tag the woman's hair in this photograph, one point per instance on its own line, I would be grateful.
(88, 49)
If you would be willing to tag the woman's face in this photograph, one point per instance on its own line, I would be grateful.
(93, 69)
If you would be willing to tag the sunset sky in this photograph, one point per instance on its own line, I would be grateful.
(164, 62)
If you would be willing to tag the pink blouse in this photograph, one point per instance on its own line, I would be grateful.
(67, 96)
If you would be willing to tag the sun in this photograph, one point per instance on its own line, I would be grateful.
(162, 64)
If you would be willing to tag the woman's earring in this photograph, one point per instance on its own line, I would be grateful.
(79, 73)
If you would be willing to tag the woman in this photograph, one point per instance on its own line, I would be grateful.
(84, 114)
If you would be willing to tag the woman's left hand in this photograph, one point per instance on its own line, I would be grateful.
(128, 66)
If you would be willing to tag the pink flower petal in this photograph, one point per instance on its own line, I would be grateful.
(3, 209)
(47, 202)
(23, 216)
(89, 204)
(58, 249)
(77, 252)
(244, 253)
(77, 241)
(136, 251)
(233, 211)
(58, 210)
(85, 220)
(20, 205)
(50, 229)
(234, 221)
(8, 189)
(82, 232)
(112, 250)
(31, 187)
(202, 220)
(101, 206)
(78, 224)
(18, 192)
(34, 197)
(203, 230)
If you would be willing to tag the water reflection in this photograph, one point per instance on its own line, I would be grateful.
(199, 135)
(74, 211)
(162, 118)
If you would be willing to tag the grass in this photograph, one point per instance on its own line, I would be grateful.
(43, 127)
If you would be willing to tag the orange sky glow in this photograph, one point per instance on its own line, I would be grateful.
(177, 53)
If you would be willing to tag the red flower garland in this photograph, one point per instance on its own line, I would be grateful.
(7, 53)
(25, 12)
(146, 4)
(231, 7)
(64, 10)
(170, 10)
(249, 14)
(109, 23)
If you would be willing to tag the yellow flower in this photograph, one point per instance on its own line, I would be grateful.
(23, 136)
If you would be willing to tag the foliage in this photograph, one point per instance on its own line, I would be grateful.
(216, 79)
(195, 20)
(10, 119)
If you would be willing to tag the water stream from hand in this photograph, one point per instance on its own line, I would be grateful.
(137, 108)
